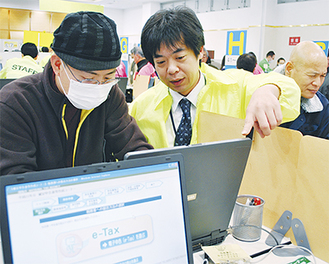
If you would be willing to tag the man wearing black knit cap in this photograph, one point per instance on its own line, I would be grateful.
(73, 113)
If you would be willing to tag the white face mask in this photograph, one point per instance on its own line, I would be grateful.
(85, 95)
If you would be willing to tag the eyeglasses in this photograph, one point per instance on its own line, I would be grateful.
(92, 81)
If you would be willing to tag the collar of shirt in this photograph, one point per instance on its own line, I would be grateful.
(311, 105)
(177, 111)
(141, 64)
(192, 96)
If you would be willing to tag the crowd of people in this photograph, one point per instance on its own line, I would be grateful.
(75, 114)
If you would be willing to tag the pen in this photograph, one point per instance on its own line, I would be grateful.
(267, 250)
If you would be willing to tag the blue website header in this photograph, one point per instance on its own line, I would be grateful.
(63, 181)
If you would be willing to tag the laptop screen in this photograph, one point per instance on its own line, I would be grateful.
(213, 172)
(125, 215)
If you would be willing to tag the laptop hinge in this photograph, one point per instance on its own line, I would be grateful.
(214, 238)
(215, 234)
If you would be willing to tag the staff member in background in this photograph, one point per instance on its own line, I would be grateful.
(73, 113)
(168, 113)
(26, 65)
(265, 63)
(280, 61)
(246, 62)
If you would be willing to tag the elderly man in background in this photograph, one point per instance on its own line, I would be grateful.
(144, 67)
(324, 89)
(308, 67)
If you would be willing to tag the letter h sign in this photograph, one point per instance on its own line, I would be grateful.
(236, 42)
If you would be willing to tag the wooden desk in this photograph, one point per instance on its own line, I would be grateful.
(290, 172)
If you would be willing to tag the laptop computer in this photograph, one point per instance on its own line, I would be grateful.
(213, 172)
(120, 212)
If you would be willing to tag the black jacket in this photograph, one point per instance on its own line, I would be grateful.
(32, 132)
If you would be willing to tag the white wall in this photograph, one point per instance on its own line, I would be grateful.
(303, 12)
(270, 32)
(267, 24)
(117, 16)
(308, 20)
(133, 21)
(216, 25)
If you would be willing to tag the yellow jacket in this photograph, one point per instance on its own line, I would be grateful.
(19, 67)
(226, 92)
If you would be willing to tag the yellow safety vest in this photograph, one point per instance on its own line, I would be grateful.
(20, 67)
(226, 92)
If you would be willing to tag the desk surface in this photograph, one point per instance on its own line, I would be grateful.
(249, 247)
(255, 247)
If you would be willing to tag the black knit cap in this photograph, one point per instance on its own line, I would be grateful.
(88, 41)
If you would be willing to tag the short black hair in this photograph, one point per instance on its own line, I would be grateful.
(253, 54)
(29, 49)
(44, 49)
(170, 27)
(247, 62)
(281, 58)
(270, 53)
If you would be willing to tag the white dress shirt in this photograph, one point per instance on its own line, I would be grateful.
(177, 111)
